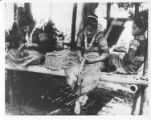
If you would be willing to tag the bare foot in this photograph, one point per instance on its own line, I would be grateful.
(77, 108)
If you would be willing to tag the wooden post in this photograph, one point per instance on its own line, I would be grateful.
(144, 100)
(27, 8)
(108, 14)
(73, 27)
(136, 9)
(136, 103)
(11, 87)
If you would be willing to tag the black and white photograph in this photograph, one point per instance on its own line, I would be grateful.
(76, 58)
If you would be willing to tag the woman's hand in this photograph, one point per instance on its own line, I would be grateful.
(28, 45)
(81, 58)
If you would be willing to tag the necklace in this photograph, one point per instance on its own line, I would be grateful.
(88, 46)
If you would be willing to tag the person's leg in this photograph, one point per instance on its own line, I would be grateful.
(136, 103)
(90, 81)
(13, 57)
(80, 102)
(71, 75)
(29, 60)
(116, 62)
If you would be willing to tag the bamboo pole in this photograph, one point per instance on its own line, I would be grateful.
(122, 79)
(108, 32)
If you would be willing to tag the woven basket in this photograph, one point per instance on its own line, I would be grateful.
(60, 60)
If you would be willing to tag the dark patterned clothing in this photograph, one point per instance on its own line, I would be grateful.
(139, 45)
(99, 44)
(133, 60)
(98, 47)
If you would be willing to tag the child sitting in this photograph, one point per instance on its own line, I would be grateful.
(32, 53)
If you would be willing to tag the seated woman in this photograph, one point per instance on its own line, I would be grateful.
(133, 60)
(32, 53)
(16, 38)
(93, 49)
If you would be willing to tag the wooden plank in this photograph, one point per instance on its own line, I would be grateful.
(36, 69)
(114, 78)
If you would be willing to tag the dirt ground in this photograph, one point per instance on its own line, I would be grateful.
(38, 94)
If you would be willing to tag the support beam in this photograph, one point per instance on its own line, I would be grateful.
(73, 27)
(136, 9)
(122, 79)
(144, 102)
(107, 77)
(11, 87)
(108, 11)
(136, 103)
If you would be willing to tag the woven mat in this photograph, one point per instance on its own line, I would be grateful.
(60, 60)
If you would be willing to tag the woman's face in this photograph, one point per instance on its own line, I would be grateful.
(136, 30)
(90, 31)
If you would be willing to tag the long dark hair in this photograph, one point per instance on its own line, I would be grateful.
(14, 36)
